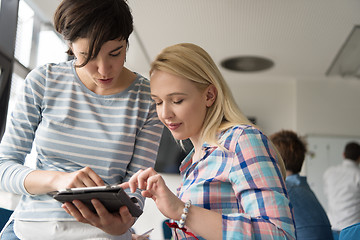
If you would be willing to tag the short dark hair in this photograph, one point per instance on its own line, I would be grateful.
(292, 149)
(352, 151)
(98, 20)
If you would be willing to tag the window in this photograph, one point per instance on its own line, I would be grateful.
(24, 34)
(51, 48)
(36, 44)
(36, 40)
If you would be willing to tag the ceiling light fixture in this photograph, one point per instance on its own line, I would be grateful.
(247, 63)
(347, 60)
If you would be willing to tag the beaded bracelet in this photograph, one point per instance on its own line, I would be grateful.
(184, 214)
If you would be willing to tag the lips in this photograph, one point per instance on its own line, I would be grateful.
(105, 80)
(173, 126)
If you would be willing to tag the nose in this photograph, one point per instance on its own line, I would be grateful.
(103, 67)
(165, 111)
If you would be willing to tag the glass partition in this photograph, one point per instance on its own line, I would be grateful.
(24, 34)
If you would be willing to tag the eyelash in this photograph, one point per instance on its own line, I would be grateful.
(115, 55)
(111, 54)
(175, 102)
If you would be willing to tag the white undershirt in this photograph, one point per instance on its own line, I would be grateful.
(70, 230)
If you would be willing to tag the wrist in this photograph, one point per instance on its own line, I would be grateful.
(54, 182)
(184, 214)
(40, 182)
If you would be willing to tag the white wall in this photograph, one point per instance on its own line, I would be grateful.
(271, 101)
(328, 106)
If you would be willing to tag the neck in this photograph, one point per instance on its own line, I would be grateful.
(289, 173)
(197, 149)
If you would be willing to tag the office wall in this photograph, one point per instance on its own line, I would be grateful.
(328, 106)
(271, 101)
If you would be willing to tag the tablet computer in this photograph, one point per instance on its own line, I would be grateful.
(112, 197)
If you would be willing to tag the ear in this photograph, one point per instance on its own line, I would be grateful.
(211, 94)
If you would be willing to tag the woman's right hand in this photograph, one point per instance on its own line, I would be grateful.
(42, 182)
(153, 186)
(85, 177)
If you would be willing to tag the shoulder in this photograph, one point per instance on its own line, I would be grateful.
(251, 145)
(51, 70)
(141, 88)
(332, 169)
(142, 82)
(244, 135)
(54, 67)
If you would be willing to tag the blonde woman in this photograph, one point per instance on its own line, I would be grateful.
(232, 181)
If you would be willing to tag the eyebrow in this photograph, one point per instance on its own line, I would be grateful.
(171, 94)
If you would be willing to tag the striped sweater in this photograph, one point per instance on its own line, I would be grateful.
(72, 127)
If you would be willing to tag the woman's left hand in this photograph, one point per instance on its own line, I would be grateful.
(112, 223)
(153, 186)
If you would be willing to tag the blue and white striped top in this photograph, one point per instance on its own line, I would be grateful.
(72, 127)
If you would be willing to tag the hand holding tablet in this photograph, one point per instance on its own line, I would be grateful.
(112, 197)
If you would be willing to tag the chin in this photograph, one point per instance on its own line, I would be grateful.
(179, 137)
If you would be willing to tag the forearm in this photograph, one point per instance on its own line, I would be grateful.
(19, 179)
(12, 176)
(203, 222)
(211, 225)
(41, 182)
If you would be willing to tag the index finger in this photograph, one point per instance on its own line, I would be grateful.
(124, 185)
(144, 176)
(94, 177)
(133, 182)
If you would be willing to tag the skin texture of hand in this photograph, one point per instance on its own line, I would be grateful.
(111, 223)
(154, 187)
(41, 182)
(84, 177)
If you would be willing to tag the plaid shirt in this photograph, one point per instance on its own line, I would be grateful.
(243, 183)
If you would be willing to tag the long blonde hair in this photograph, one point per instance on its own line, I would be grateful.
(190, 61)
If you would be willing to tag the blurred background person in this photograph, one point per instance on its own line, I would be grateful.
(342, 189)
(311, 221)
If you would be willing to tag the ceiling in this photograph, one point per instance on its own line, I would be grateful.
(301, 37)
